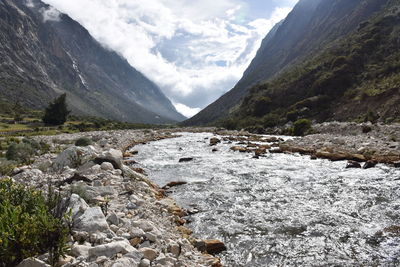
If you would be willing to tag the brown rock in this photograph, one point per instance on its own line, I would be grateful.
(239, 148)
(139, 170)
(211, 246)
(214, 141)
(172, 184)
(369, 164)
(135, 241)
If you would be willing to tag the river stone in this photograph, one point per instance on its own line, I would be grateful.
(32, 262)
(144, 263)
(112, 218)
(80, 251)
(174, 248)
(111, 249)
(211, 246)
(77, 206)
(112, 156)
(146, 226)
(92, 220)
(136, 255)
(149, 253)
(126, 262)
(107, 166)
(127, 172)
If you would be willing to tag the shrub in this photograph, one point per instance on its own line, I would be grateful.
(301, 127)
(6, 167)
(57, 111)
(371, 117)
(271, 120)
(261, 106)
(29, 225)
(83, 141)
(292, 115)
(20, 152)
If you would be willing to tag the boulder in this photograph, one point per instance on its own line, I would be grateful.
(77, 205)
(214, 141)
(112, 156)
(174, 248)
(211, 246)
(74, 157)
(32, 262)
(29, 176)
(351, 164)
(146, 226)
(149, 253)
(107, 166)
(112, 218)
(144, 263)
(127, 172)
(396, 164)
(80, 251)
(185, 159)
(111, 249)
(369, 164)
(172, 184)
(92, 220)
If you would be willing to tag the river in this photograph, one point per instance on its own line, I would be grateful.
(281, 210)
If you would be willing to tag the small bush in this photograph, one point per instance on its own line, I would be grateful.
(292, 115)
(301, 127)
(366, 129)
(271, 120)
(6, 167)
(371, 117)
(83, 141)
(28, 225)
(20, 152)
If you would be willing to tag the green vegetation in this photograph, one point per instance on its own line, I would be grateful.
(342, 82)
(22, 152)
(301, 127)
(57, 111)
(83, 141)
(30, 224)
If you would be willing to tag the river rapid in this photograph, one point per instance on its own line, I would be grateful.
(281, 210)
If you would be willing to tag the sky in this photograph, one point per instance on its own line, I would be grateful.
(194, 50)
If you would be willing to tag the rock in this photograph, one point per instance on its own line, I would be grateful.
(351, 164)
(77, 206)
(331, 155)
(185, 159)
(92, 220)
(111, 249)
(214, 141)
(146, 226)
(174, 248)
(369, 164)
(151, 236)
(127, 172)
(74, 157)
(136, 232)
(172, 184)
(32, 262)
(211, 246)
(65, 260)
(276, 150)
(149, 253)
(112, 218)
(126, 262)
(396, 164)
(214, 150)
(80, 251)
(313, 157)
(131, 206)
(239, 148)
(107, 166)
(112, 156)
(136, 255)
(144, 263)
(29, 176)
(139, 170)
(135, 241)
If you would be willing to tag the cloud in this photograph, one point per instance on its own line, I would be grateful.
(186, 111)
(49, 14)
(194, 50)
(29, 3)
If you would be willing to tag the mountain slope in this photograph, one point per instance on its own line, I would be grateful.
(311, 26)
(45, 53)
(355, 78)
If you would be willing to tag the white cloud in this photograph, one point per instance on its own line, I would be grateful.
(194, 50)
(49, 14)
(186, 111)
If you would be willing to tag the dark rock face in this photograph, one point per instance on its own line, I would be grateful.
(42, 59)
(311, 26)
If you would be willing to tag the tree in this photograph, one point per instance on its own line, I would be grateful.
(57, 111)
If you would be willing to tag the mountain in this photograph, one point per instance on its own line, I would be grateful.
(45, 53)
(311, 27)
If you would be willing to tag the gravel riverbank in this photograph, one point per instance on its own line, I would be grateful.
(120, 218)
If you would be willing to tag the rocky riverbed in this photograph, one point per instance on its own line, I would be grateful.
(120, 218)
